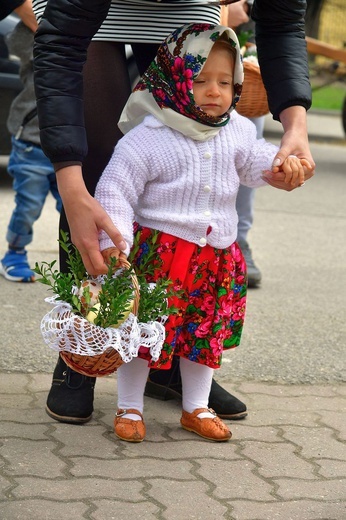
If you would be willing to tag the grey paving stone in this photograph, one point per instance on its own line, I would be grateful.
(274, 390)
(322, 490)
(132, 469)
(12, 383)
(26, 415)
(335, 420)
(119, 510)
(72, 489)
(91, 441)
(278, 460)
(24, 430)
(244, 431)
(302, 403)
(42, 510)
(40, 382)
(6, 483)
(288, 510)
(26, 457)
(191, 449)
(332, 468)
(317, 442)
(186, 500)
(235, 479)
(22, 402)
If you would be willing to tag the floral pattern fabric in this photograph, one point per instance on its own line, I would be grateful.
(170, 76)
(166, 88)
(211, 304)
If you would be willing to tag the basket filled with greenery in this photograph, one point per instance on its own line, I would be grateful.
(253, 100)
(98, 323)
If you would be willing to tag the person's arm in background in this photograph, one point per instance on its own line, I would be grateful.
(23, 8)
(235, 14)
(63, 37)
(282, 54)
(25, 12)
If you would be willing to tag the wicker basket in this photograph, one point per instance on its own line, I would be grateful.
(110, 360)
(253, 100)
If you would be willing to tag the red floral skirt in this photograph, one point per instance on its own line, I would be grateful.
(211, 307)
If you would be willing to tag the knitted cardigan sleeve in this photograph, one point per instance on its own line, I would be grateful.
(120, 186)
(253, 155)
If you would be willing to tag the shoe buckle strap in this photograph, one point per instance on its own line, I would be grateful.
(121, 413)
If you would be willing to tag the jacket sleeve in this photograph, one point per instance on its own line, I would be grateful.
(60, 50)
(7, 6)
(282, 54)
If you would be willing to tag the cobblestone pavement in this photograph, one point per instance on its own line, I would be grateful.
(286, 460)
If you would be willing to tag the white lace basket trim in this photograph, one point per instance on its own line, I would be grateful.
(62, 330)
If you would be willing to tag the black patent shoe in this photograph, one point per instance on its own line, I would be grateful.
(71, 396)
(166, 385)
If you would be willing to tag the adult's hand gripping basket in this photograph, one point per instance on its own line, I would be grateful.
(97, 351)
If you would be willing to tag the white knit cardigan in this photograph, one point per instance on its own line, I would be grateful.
(171, 183)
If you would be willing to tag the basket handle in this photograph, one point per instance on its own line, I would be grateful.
(124, 263)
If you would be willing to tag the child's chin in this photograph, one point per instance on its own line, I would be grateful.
(213, 113)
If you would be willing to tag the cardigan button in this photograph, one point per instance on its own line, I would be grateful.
(203, 241)
(207, 213)
(207, 188)
(207, 155)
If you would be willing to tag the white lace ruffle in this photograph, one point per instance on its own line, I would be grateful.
(62, 330)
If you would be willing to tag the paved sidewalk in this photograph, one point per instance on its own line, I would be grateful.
(286, 460)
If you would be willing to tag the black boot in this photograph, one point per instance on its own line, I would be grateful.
(166, 384)
(71, 396)
(226, 405)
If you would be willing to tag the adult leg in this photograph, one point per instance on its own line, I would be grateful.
(244, 205)
(106, 89)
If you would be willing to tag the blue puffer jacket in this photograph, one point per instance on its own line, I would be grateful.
(65, 32)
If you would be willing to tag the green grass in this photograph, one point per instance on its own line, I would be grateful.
(330, 97)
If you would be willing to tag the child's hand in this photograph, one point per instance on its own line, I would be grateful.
(294, 170)
(279, 178)
(113, 252)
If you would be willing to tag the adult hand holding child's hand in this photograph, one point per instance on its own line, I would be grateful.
(293, 173)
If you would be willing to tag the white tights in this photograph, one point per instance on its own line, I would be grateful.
(196, 384)
(132, 378)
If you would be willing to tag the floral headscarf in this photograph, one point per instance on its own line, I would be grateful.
(165, 89)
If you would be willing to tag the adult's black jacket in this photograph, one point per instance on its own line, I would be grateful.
(60, 51)
(7, 6)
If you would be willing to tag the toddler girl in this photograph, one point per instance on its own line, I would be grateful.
(177, 170)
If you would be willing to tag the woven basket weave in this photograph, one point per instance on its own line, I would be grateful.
(110, 360)
(253, 100)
